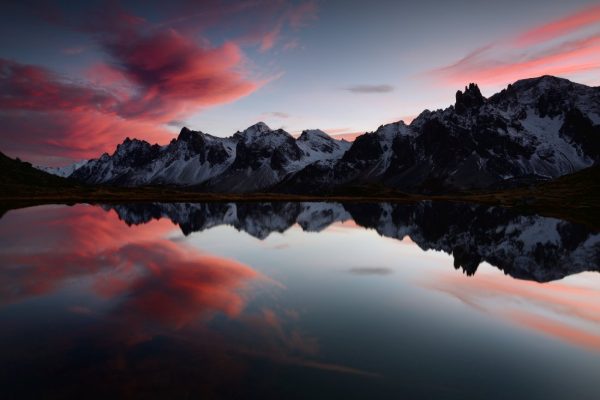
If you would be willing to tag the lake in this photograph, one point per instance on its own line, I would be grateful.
(297, 300)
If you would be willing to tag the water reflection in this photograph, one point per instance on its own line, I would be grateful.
(156, 277)
(90, 306)
(524, 247)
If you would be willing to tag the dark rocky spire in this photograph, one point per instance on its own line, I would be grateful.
(470, 99)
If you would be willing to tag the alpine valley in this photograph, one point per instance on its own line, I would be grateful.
(535, 129)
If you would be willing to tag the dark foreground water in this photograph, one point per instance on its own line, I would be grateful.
(297, 300)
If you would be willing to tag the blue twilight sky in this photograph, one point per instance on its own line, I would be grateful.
(76, 79)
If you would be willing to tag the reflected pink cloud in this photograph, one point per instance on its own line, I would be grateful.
(157, 286)
(562, 310)
(154, 288)
(557, 329)
(176, 286)
(157, 279)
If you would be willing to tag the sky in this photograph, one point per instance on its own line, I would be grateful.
(77, 78)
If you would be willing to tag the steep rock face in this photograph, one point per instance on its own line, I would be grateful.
(523, 246)
(366, 160)
(471, 99)
(263, 157)
(319, 146)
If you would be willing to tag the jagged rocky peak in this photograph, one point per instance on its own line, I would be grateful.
(549, 96)
(258, 127)
(314, 134)
(547, 88)
(132, 142)
(255, 130)
(389, 131)
(373, 146)
(260, 134)
(130, 145)
(542, 82)
(319, 146)
(186, 134)
(420, 119)
(193, 141)
(471, 98)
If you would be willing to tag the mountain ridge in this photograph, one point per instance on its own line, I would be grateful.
(538, 128)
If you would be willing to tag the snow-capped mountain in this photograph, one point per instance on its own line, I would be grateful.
(254, 159)
(190, 159)
(65, 171)
(523, 246)
(537, 128)
(264, 157)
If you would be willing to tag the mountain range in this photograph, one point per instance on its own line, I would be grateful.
(535, 129)
(528, 247)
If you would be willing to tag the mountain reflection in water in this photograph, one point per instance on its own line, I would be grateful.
(524, 247)
(91, 307)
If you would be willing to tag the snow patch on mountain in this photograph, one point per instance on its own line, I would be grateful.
(64, 171)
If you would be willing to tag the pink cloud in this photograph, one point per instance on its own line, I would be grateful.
(550, 50)
(269, 39)
(301, 14)
(283, 14)
(153, 74)
(42, 137)
(559, 27)
(566, 58)
(29, 87)
(172, 74)
(153, 79)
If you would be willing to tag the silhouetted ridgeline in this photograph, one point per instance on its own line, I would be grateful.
(534, 130)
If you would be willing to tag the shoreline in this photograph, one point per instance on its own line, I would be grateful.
(573, 207)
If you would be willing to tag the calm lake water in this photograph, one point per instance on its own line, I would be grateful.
(297, 300)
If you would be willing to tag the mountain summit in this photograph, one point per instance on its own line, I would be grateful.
(538, 128)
